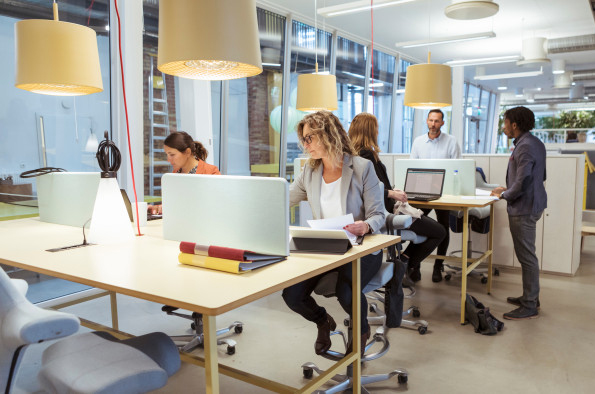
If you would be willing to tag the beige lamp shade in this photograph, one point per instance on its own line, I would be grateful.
(56, 58)
(316, 92)
(209, 40)
(428, 86)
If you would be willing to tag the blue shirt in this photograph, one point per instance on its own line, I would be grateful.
(444, 146)
(525, 193)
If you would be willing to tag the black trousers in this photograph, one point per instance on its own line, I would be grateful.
(299, 296)
(435, 233)
(442, 217)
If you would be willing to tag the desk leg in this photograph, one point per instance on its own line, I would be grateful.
(357, 329)
(114, 308)
(491, 249)
(211, 358)
(464, 262)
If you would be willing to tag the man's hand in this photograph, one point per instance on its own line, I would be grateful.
(497, 191)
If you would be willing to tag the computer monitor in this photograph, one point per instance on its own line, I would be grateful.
(240, 212)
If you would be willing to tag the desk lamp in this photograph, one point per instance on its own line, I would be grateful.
(110, 222)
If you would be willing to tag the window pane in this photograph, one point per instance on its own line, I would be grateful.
(381, 94)
(253, 107)
(42, 130)
(403, 124)
(351, 77)
(471, 119)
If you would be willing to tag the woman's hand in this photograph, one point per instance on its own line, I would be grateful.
(398, 195)
(358, 228)
(155, 209)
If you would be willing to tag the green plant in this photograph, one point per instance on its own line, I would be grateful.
(575, 119)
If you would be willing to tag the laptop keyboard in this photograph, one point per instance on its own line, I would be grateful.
(422, 196)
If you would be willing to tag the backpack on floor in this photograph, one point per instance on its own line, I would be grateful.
(480, 317)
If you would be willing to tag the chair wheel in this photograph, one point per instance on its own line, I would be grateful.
(497, 272)
(422, 330)
(346, 322)
(238, 329)
(193, 326)
(402, 378)
(416, 313)
(308, 373)
(484, 280)
(231, 350)
(447, 277)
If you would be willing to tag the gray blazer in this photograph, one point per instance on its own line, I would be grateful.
(361, 194)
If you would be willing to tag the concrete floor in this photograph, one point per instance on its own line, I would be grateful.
(551, 354)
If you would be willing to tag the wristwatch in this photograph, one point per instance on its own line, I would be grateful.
(502, 196)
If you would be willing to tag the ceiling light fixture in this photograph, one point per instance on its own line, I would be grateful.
(509, 75)
(485, 60)
(468, 10)
(446, 40)
(56, 58)
(209, 40)
(317, 91)
(358, 6)
(534, 51)
(428, 86)
(518, 92)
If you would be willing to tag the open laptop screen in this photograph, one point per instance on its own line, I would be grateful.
(422, 180)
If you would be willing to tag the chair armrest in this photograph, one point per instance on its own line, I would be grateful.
(26, 323)
(401, 222)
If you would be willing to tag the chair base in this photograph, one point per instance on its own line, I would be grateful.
(456, 271)
(187, 343)
(345, 381)
(380, 319)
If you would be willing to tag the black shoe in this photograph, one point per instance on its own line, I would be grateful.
(414, 274)
(521, 313)
(323, 341)
(517, 301)
(437, 274)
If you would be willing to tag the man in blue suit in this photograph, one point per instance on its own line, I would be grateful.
(526, 198)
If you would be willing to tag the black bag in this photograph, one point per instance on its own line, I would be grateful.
(480, 317)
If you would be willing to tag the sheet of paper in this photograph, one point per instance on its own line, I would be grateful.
(335, 224)
(482, 192)
(479, 198)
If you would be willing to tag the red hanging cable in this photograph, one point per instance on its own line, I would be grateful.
(126, 113)
(372, 52)
(90, 8)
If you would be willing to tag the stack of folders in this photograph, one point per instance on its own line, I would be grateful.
(220, 258)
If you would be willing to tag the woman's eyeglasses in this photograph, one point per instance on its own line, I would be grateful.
(308, 139)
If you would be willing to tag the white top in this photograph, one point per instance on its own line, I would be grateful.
(330, 199)
(445, 146)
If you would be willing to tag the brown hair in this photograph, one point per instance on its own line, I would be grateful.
(331, 134)
(363, 133)
(181, 141)
(436, 111)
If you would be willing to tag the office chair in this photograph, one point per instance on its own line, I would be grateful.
(190, 341)
(84, 363)
(479, 221)
(390, 269)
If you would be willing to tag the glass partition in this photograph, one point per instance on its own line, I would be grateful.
(351, 79)
(380, 96)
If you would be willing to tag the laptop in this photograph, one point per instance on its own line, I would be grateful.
(129, 208)
(424, 184)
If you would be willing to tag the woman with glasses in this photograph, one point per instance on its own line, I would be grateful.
(363, 133)
(335, 182)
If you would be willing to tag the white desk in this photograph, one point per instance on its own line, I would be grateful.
(147, 268)
(459, 203)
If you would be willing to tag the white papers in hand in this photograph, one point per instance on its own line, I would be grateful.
(482, 192)
(335, 224)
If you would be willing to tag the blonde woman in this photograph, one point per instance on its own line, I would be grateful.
(335, 181)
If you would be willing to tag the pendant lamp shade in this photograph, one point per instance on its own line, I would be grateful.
(56, 58)
(209, 40)
(428, 86)
(316, 92)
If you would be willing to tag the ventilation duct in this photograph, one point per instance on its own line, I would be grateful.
(583, 75)
(571, 44)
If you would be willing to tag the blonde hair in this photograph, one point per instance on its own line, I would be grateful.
(363, 133)
(331, 135)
